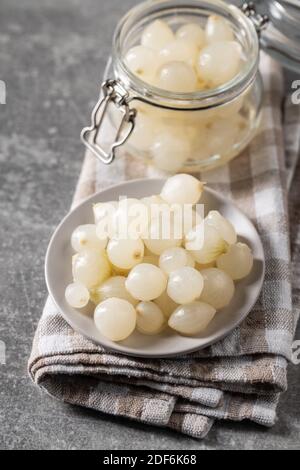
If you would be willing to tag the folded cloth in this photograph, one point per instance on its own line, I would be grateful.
(240, 377)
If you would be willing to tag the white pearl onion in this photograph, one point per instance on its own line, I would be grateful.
(77, 295)
(217, 29)
(205, 243)
(140, 60)
(144, 132)
(146, 282)
(218, 288)
(150, 319)
(125, 254)
(179, 50)
(104, 214)
(176, 76)
(237, 262)
(185, 285)
(170, 151)
(112, 287)
(219, 62)
(161, 236)
(221, 135)
(131, 219)
(224, 226)
(90, 268)
(166, 304)
(157, 35)
(193, 33)
(192, 318)
(115, 318)
(182, 189)
(230, 109)
(175, 258)
(85, 237)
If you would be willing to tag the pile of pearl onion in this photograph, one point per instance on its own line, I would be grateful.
(162, 281)
(191, 59)
(170, 61)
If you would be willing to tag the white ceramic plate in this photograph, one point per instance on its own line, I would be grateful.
(168, 343)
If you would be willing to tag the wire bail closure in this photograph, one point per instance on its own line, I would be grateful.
(112, 91)
(259, 21)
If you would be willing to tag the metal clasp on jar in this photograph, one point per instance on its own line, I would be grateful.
(260, 21)
(113, 92)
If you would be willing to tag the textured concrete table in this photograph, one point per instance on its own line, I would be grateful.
(52, 53)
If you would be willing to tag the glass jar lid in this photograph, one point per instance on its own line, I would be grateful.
(281, 38)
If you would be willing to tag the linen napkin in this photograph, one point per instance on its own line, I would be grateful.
(238, 378)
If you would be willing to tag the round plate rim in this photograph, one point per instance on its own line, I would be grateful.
(80, 330)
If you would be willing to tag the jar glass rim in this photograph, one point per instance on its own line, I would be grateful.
(201, 98)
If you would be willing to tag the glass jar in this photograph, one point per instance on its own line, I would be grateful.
(178, 131)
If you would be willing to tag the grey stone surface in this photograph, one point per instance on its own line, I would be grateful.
(52, 54)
